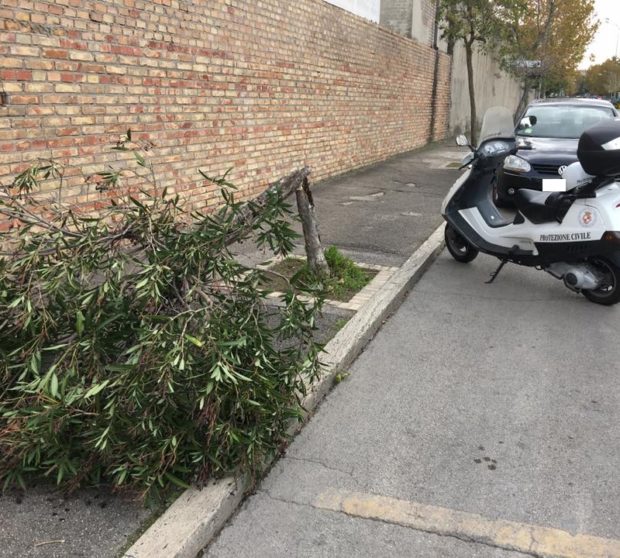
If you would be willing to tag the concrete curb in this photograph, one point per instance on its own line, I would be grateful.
(190, 523)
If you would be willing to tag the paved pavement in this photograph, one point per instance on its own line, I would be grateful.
(381, 214)
(42, 523)
(492, 403)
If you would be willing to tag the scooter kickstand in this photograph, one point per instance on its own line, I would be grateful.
(495, 273)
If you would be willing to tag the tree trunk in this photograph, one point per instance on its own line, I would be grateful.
(523, 101)
(473, 120)
(314, 252)
(297, 182)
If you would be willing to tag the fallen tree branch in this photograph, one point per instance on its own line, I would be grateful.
(252, 209)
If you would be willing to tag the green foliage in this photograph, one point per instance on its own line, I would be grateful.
(555, 32)
(604, 78)
(346, 275)
(473, 23)
(344, 280)
(134, 348)
(470, 21)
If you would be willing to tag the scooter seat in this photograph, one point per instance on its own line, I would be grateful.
(538, 207)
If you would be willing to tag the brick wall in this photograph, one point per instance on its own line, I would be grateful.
(264, 87)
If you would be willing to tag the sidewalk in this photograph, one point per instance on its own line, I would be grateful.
(381, 214)
(378, 215)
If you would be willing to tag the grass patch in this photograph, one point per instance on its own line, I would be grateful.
(345, 279)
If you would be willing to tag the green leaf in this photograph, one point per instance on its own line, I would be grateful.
(55, 347)
(16, 302)
(94, 390)
(103, 439)
(79, 322)
(177, 481)
(121, 478)
(194, 340)
(54, 386)
(35, 362)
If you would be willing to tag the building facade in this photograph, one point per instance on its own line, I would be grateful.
(369, 9)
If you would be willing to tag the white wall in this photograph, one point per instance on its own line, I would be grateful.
(369, 9)
(492, 86)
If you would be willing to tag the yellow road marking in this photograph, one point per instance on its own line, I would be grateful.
(509, 535)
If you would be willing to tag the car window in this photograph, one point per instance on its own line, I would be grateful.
(563, 121)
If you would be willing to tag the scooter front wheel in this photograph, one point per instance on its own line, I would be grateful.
(609, 291)
(460, 249)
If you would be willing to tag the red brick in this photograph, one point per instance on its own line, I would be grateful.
(71, 78)
(68, 131)
(24, 99)
(56, 53)
(15, 75)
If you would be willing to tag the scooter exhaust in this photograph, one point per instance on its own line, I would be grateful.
(576, 277)
(581, 279)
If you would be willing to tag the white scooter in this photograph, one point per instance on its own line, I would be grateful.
(572, 234)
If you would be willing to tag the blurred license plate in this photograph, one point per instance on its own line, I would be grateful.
(554, 185)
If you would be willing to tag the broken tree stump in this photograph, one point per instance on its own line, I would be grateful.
(295, 182)
(314, 251)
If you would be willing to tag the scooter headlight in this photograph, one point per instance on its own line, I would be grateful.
(516, 164)
(495, 148)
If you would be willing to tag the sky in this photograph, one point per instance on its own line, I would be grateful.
(607, 39)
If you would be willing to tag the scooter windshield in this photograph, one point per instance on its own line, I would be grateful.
(497, 123)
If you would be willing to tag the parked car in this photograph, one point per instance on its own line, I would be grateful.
(547, 136)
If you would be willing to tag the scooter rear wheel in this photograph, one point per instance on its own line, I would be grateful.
(609, 292)
(461, 250)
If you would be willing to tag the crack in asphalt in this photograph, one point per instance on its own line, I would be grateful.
(324, 465)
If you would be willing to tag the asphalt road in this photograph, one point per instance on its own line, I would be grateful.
(498, 401)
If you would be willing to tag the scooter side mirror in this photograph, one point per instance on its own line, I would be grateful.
(527, 122)
(462, 141)
(467, 160)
